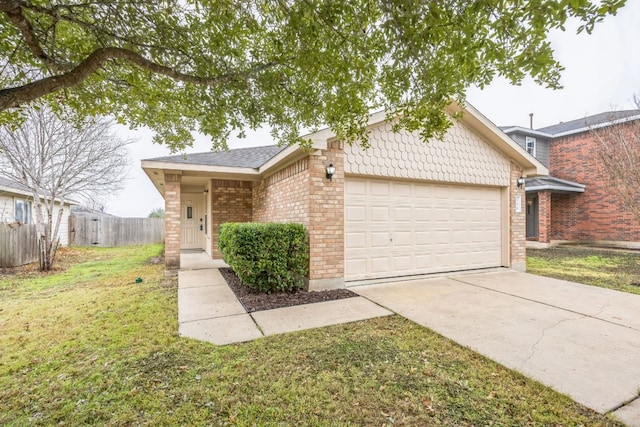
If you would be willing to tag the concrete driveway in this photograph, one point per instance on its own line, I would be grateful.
(580, 340)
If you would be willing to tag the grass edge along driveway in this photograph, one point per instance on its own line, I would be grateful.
(612, 269)
(86, 345)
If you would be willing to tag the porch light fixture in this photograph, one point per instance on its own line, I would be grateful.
(330, 171)
(520, 182)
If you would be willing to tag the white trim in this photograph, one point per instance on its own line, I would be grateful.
(527, 131)
(556, 188)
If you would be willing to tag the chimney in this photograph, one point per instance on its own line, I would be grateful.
(530, 120)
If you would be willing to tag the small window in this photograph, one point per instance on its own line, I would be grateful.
(531, 145)
(23, 211)
(189, 212)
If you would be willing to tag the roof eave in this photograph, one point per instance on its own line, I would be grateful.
(527, 131)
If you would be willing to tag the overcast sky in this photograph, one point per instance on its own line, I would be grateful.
(602, 73)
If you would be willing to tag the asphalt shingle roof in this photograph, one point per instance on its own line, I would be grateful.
(4, 182)
(554, 184)
(589, 121)
(252, 157)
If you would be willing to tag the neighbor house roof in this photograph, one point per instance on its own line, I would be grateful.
(590, 122)
(553, 184)
(252, 157)
(11, 186)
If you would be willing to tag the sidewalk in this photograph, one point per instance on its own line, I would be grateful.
(208, 310)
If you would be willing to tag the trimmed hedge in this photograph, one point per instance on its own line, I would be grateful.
(267, 257)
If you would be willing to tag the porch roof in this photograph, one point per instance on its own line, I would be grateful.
(553, 184)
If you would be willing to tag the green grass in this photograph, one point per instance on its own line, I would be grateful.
(617, 270)
(88, 346)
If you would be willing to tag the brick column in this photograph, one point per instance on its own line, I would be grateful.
(326, 219)
(172, 227)
(517, 221)
(544, 216)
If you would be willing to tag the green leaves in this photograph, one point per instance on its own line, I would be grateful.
(267, 257)
(291, 64)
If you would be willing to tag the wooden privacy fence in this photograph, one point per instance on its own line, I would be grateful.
(18, 244)
(109, 232)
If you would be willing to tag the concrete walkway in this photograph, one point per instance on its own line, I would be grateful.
(208, 309)
(580, 340)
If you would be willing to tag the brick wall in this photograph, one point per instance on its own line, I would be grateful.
(594, 214)
(326, 214)
(301, 193)
(231, 201)
(283, 196)
(544, 216)
(172, 228)
(517, 220)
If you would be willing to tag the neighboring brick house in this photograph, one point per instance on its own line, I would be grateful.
(401, 208)
(574, 203)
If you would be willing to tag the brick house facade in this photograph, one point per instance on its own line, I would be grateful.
(575, 203)
(272, 184)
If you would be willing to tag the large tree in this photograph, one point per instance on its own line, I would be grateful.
(59, 162)
(217, 66)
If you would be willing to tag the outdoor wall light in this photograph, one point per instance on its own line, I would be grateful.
(520, 182)
(330, 171)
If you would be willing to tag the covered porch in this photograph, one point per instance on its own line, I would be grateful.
(540, 199)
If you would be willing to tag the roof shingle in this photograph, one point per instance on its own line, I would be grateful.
(252, 157)
(589, 121)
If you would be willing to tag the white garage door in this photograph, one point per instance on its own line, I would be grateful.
(397, 228)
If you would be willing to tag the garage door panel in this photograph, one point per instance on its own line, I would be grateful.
(402, 214)
(403, 263)
(379, 239)
(380, 213)
(380, 264)
(356, 240)
(402, 238)
(396, 229)
(379, 188)
(355, 214)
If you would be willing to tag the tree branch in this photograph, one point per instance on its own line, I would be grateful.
(13, 10)
(15, 96)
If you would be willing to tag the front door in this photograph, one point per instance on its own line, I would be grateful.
(192, 221)
(532, 216)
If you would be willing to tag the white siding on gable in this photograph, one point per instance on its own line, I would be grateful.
(462, 157)
(6, 208)
(64, 226)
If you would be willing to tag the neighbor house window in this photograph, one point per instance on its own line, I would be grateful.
(23, 211)
(531, 145)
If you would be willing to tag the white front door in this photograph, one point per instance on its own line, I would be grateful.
(192, 221)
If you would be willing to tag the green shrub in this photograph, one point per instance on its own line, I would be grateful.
(267, 257)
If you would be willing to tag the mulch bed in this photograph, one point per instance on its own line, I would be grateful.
(258, 301)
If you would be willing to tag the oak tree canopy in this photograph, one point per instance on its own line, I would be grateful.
(221, 66)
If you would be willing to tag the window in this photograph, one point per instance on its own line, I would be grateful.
(23, 211)
(189, 212)
(530, 143)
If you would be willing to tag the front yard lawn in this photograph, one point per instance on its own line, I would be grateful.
(87, 345)
(619, 270)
